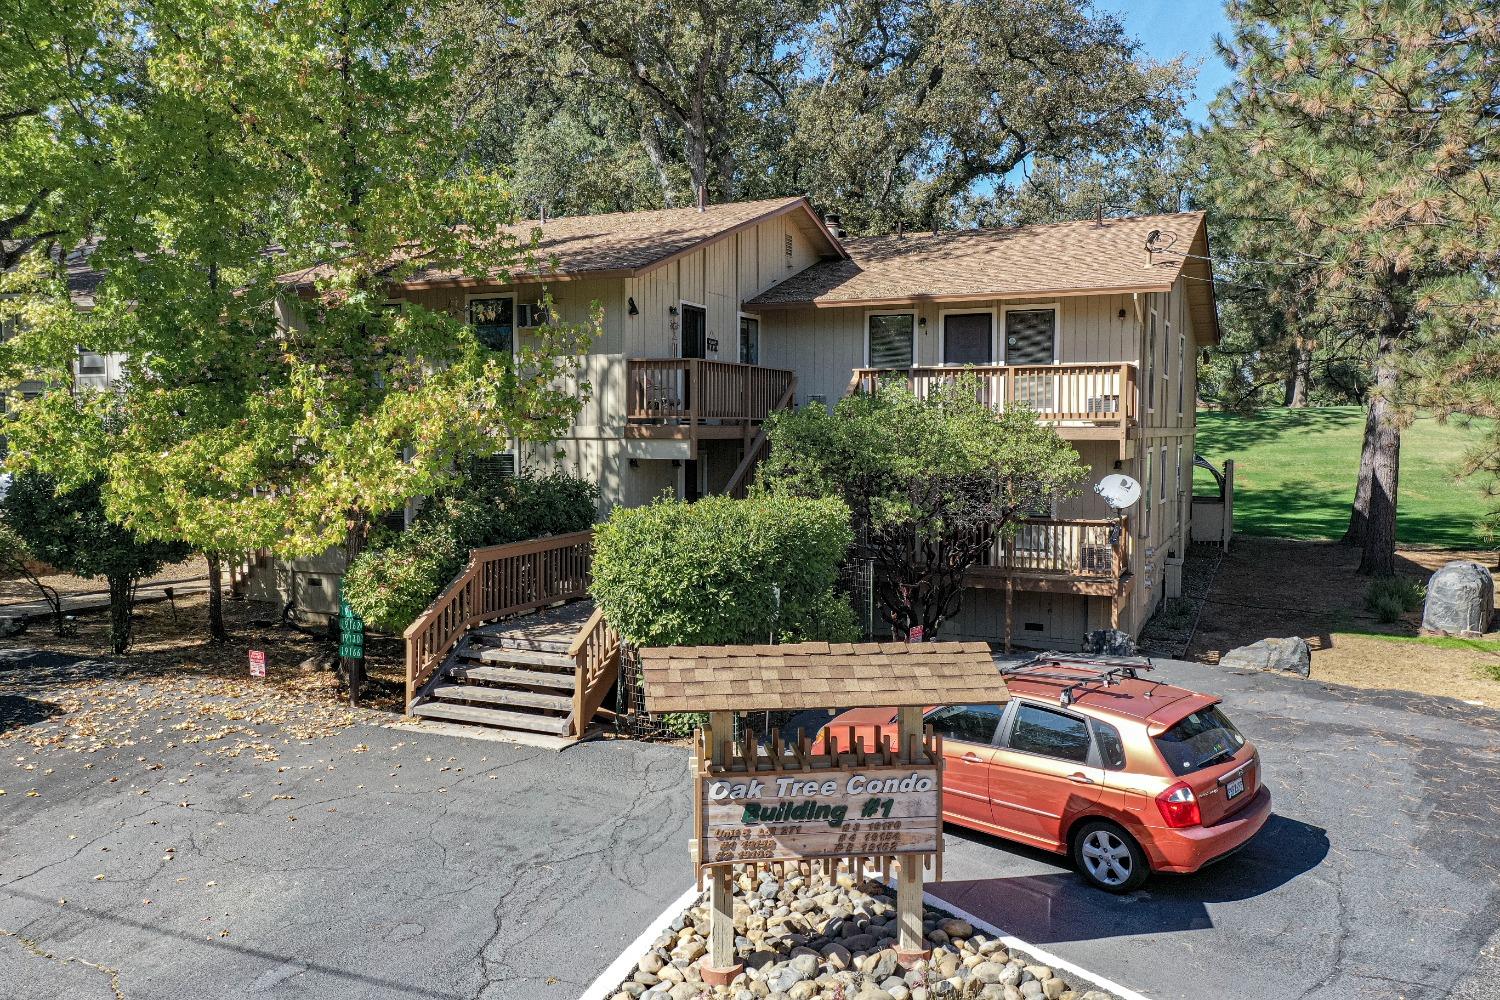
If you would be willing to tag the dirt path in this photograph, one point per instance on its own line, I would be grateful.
(1270, 587)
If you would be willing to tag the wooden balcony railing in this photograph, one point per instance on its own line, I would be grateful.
(498, 582)
(677, 392)
(1093, 395)
(1072, 549)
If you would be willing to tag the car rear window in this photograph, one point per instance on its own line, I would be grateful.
(1204, 738)
(1111, 747)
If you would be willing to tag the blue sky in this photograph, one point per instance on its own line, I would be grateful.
(1171, 27)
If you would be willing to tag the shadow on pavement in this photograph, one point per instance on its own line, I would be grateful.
(1058, 906)
(16, 711)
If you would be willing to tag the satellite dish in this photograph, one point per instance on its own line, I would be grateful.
(1120, 492)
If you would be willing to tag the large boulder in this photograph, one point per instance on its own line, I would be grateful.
(1291, 655)
(1108, 642)
(1460, 600)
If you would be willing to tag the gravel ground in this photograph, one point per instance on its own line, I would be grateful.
(811, 939)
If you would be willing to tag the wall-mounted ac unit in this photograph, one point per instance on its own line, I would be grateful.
(531, 314)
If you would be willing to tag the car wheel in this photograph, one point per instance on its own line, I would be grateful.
(1109, 858)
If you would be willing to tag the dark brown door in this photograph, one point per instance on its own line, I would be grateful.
(694, 330)
(968, 339)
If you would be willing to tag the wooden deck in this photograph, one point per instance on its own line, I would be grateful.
(688, 399)
(1082, 402)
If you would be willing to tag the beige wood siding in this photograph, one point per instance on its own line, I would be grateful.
(824, 346)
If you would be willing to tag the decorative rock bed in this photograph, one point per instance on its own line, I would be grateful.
(809, 939)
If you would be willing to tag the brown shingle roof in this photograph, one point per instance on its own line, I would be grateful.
(617, 244)
(819, 675)
(1060, 258)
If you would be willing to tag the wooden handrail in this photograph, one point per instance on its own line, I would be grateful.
(1099, 394)
(596, 651)
(694, 390)
(499, 581)
(1076, 547)
(757, 449)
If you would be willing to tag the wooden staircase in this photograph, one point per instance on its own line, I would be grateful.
(514, 646)
(517, 677)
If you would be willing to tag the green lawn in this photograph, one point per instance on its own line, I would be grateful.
(1295, 472)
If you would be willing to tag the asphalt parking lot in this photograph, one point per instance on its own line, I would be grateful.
(380, 862)
(1378, 874)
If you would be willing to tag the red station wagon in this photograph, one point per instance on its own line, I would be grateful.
(1090, 759)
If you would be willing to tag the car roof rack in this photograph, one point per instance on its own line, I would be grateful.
(1104, 671)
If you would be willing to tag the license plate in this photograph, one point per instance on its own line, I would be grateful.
(1235, 787)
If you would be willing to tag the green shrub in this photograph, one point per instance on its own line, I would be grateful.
(393, 580)
(709, 573)
(1389, 596)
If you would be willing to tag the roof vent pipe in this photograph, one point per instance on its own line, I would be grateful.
(835, 225)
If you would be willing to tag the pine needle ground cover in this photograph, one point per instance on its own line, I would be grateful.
(1295, 472)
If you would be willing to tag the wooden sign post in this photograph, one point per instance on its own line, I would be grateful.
(793, 806)
(798, 806)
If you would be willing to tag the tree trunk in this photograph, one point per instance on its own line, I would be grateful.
(1359, 514)
(1297, 376)
(216, 630)
(1378, 557)
(121, 601)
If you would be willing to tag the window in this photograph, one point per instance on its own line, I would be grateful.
(1146, 496)
(1206, 737)
(1051, 734)
(969, 723)
(890, 340)
(1181, 372)
(749, 340)
(1179, 472)
(1111, 747)
(1151, 361)
(494, 467)
(1163, 476)
(90, 363)
(494, 322)
(1031, 336)
(968, 338)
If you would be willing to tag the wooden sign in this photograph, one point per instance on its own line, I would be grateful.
(848, 812)
(781, 804)
(877, 799)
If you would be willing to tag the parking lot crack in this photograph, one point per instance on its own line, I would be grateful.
(35, 947)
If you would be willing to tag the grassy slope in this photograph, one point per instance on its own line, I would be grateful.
(1295, 473)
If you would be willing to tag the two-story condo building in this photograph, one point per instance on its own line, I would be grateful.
(714, 317)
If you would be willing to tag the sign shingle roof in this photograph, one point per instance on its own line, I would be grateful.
(819, 675)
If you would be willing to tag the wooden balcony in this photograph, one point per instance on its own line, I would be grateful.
(1083, 402)
(1060, 556)
(693, 398)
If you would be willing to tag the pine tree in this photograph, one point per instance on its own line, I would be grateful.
(1355, 161)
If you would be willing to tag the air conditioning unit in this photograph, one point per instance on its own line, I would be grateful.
(531, 314)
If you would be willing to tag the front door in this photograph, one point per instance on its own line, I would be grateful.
(694, 331)
(1046, 772)
(968, 338)
(691, 345)
(968, 733)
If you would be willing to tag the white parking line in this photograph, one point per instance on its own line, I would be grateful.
(610, 979)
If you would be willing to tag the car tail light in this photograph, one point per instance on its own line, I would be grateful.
(1179, 806)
